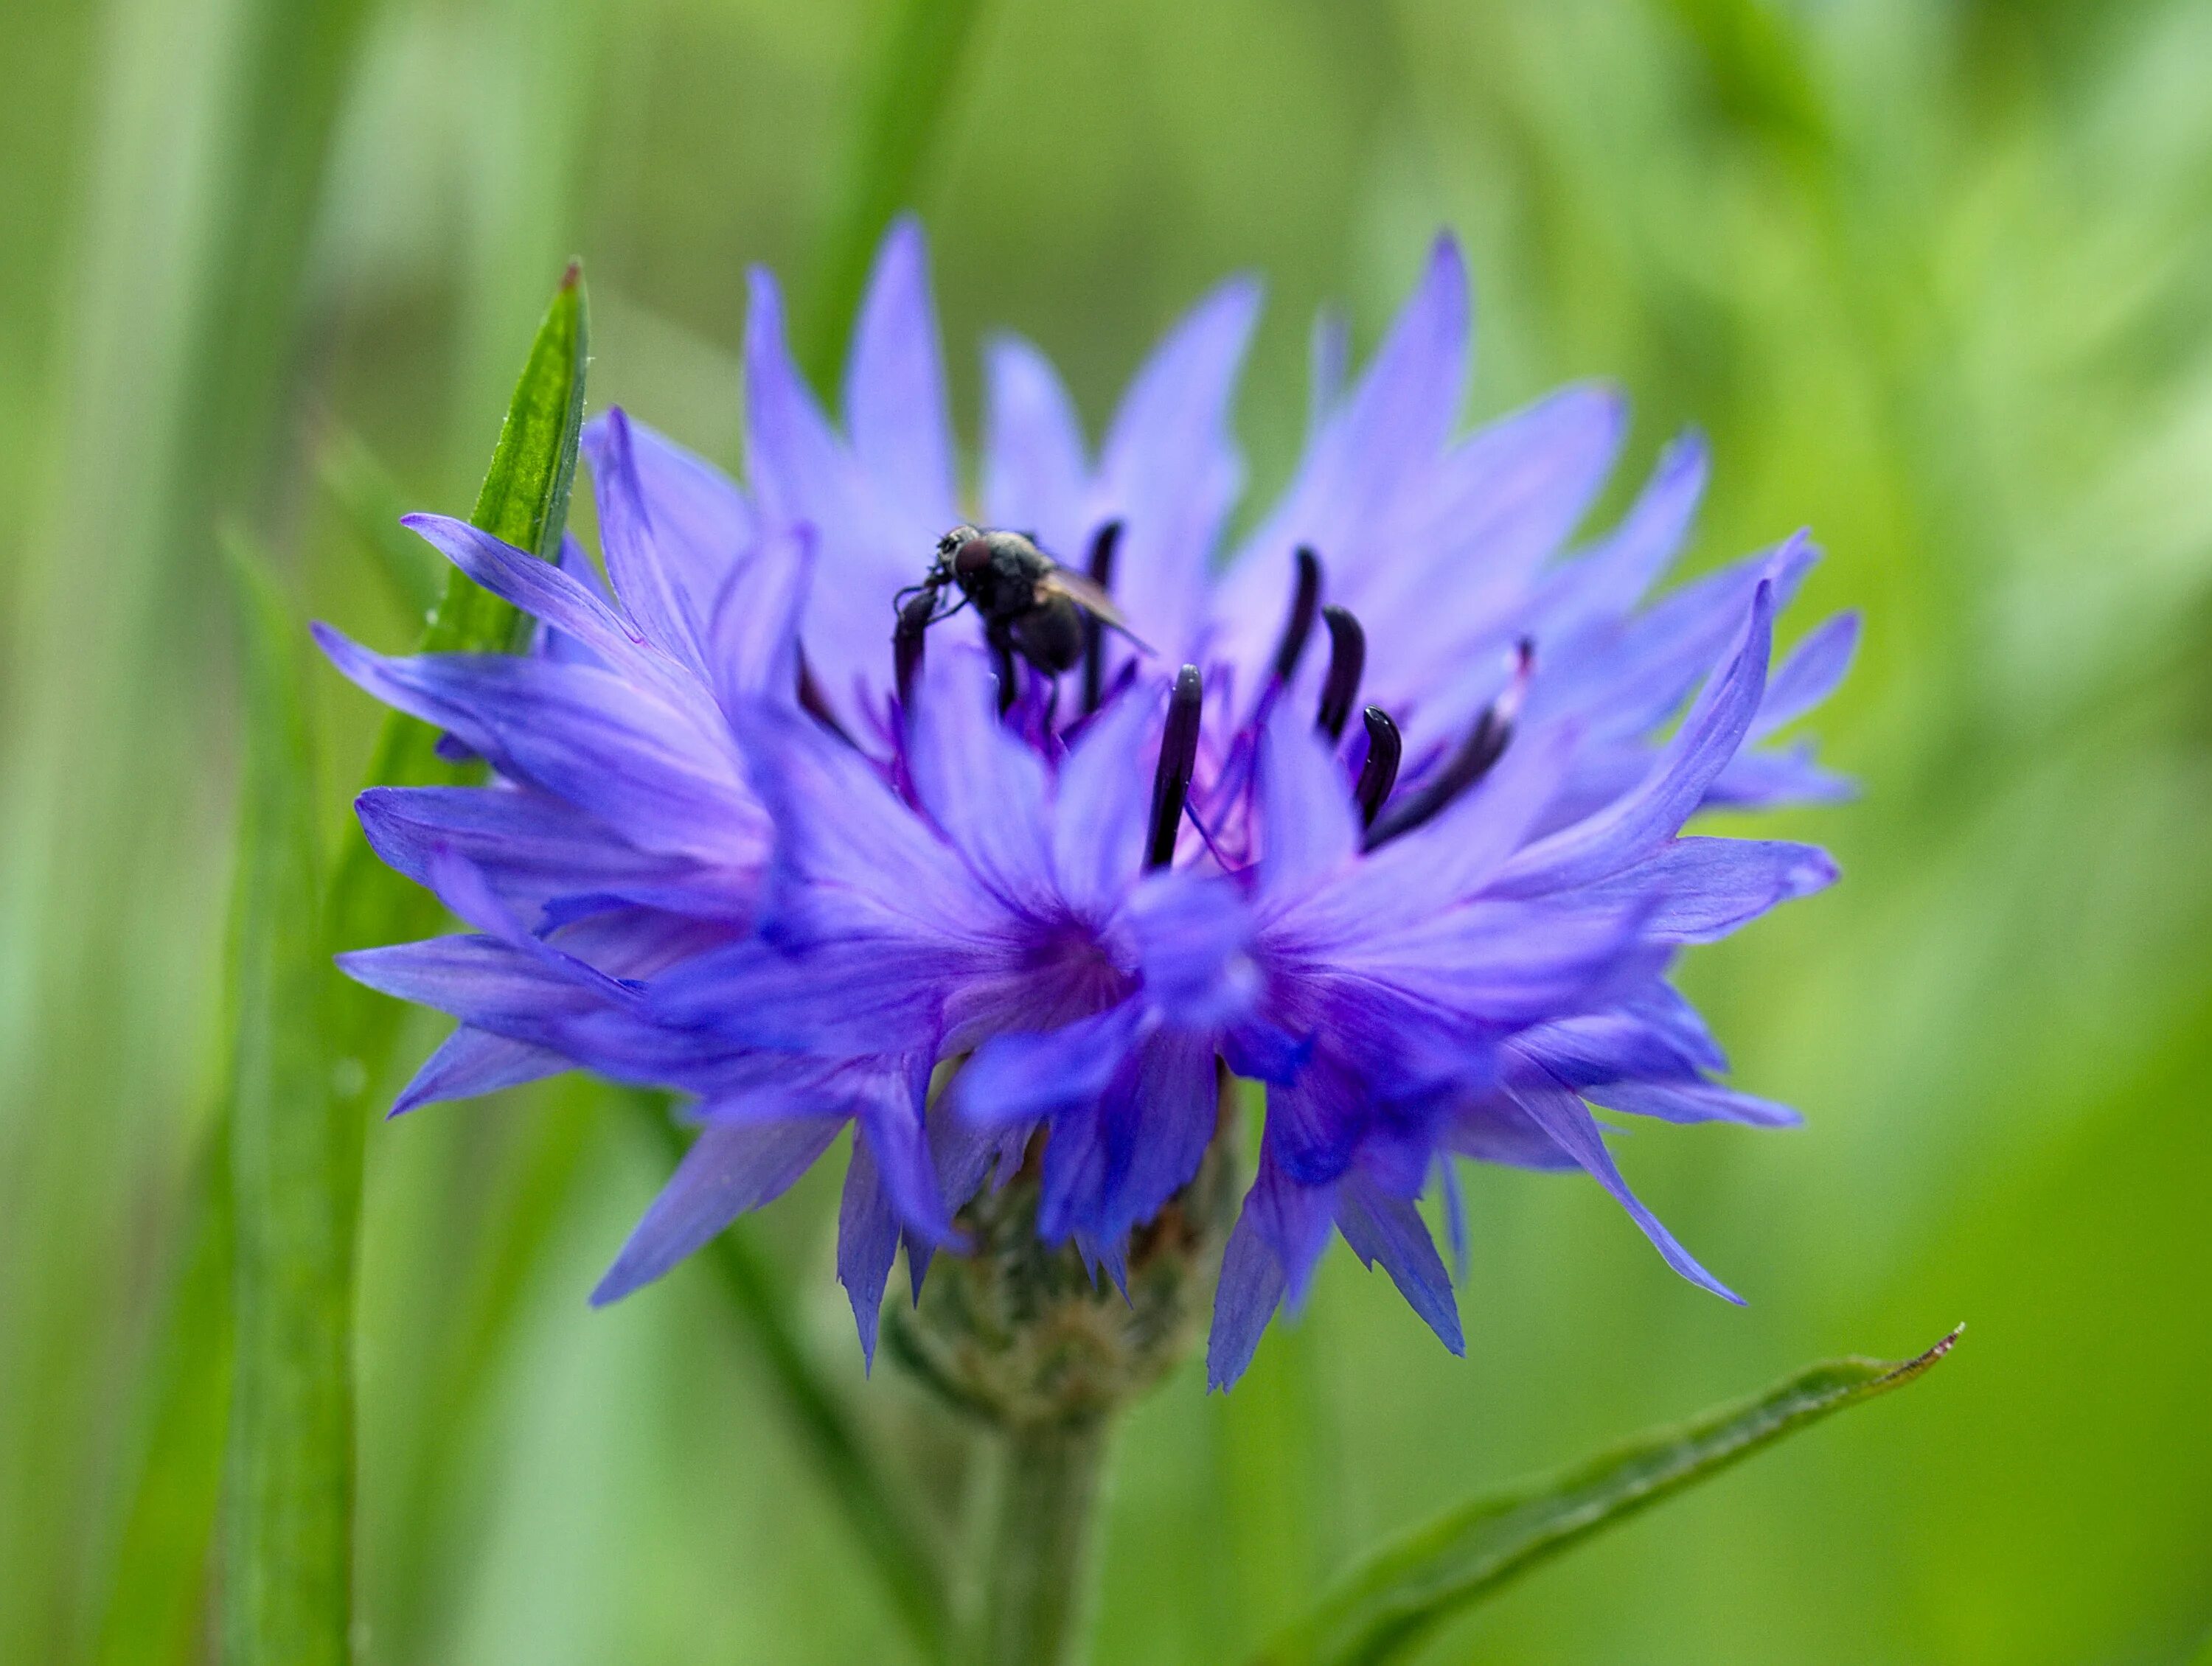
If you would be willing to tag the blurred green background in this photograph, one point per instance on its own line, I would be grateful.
(1934, 275)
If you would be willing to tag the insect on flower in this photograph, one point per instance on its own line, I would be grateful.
(1031, 604)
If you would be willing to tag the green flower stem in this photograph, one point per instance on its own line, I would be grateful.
(1038, 1575)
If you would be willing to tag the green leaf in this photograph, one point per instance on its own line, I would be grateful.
(524, 500)
(525, 496)
(296, 1183)
(1398, 1595)
(160, 1560)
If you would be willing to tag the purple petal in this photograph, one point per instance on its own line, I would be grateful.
(702, 521)
(475, 978)
(469, 1062)
(644, 573)
(1194, 947)
(732, 1167)
(802, 475)
(1328, 362)
(1694, 1102)
(1453, 858)
(752, 638)
(1601, 587)
(982, 786)
(1639, 823)
(1628, 680)
(535, 849)
(1704, 888)
(851, 860)
(867, 1240)
(1034, 477)
(1308, 825)
(1503, 502)
(543, 592)
(1250, 1290)
(891, 1129)
(1170, 468)
(1021, 1076)
(1809, 675)
(1369, 462)
(1102, 802)
(840, 997)
(895, 408)
(1383, 1228)
(1561, 1113)
(581, 735)
(1272, 1252)
(1492, 1129)
(1765, 780)
(1169, 1113)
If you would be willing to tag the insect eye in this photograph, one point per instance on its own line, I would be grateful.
(971, 558)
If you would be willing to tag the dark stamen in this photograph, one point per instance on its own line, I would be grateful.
(1004, 655)
(1299, 626)
(907, 640)
(1484, 744)
(811, 702)
(1102, 548)
(1380, 773)
(1347, 658)
(1178, 754)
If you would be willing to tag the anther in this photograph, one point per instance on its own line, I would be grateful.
(1380, 773)
(1484, 744)
(1299, 626)
(1102, 548)
(907, 641)
(1347, 659)
(1178, 756)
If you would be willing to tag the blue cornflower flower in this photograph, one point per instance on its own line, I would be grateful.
(742, 843)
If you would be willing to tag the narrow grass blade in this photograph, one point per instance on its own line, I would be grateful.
(1400, 1594)
(296, 1180)
(160, 1557)
(880, 1517)
(921, 46)
(524, 500)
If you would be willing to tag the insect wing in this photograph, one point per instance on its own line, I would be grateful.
(1084, 593)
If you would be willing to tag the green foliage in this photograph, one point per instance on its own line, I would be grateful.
(1937, 280)
(1388, 1603)
(295, 1174)
(524, 500)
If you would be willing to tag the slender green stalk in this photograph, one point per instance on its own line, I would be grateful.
(295, 1179)
(922, 45)
(302, 1072)
(1037, 1582)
